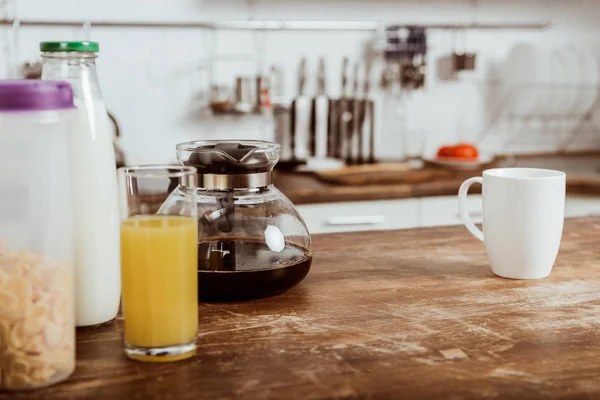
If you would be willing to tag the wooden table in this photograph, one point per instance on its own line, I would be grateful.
(412, 314)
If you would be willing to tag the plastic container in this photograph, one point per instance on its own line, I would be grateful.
(37, 327)
(95, 202)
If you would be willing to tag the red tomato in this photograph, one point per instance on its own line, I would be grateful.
(466, 151)
(446, 151)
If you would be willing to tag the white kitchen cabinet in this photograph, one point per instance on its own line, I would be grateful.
(443, 210)
(410, 213)
(360, 216)
(579, 206)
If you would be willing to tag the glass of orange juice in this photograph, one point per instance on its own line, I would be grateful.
(159, 259)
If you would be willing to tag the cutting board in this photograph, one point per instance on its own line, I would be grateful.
(384, 173)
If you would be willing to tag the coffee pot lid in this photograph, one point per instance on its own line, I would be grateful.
(230, 164)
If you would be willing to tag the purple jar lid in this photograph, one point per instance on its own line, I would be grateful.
(34, 95)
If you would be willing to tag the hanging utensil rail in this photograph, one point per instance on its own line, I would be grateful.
(274, 25)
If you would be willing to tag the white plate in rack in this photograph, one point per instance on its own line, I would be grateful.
(570, 61)
(596, 110)
(555, 90)
(455, 164)
(590, 78)
(525, 70)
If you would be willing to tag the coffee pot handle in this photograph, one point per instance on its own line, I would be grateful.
(462, 206)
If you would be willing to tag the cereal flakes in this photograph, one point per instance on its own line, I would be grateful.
(37, 334)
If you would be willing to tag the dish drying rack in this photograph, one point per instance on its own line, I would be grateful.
(569, 125)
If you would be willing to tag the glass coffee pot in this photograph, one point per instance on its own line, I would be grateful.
(251, 240)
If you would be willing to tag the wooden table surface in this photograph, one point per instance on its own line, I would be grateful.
(413, 314)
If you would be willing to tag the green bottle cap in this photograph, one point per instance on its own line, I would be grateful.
(80, 47)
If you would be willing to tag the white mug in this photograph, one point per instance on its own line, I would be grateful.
(523, 214)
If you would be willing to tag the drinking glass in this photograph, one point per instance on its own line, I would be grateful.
(159, 261)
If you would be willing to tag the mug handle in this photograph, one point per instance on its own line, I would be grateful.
(462, 206)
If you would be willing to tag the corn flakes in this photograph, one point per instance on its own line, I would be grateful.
(37, 334)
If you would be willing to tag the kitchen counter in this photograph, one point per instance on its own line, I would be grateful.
(583, 177)
(411, 314)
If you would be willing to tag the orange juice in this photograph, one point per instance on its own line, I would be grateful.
(159, 259)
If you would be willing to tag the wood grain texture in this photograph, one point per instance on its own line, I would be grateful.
(583, 177)
(306, 189)
(413, 314)
(383, 173)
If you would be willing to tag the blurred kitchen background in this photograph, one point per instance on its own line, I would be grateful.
(337, 81)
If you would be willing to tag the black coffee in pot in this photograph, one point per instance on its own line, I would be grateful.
(234, 269)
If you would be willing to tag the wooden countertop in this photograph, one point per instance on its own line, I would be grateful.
(306, 189)
(413, 314)
(583, 177)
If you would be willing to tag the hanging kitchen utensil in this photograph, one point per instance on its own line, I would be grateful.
(244, 95)
(367, 139)
(461, 59)
(320, 116)
(355, 130)
(344, 114)
(300, 118)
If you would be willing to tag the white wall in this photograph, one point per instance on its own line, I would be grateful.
(154, 79)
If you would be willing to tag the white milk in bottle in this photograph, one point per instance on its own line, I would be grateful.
(95, 199)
